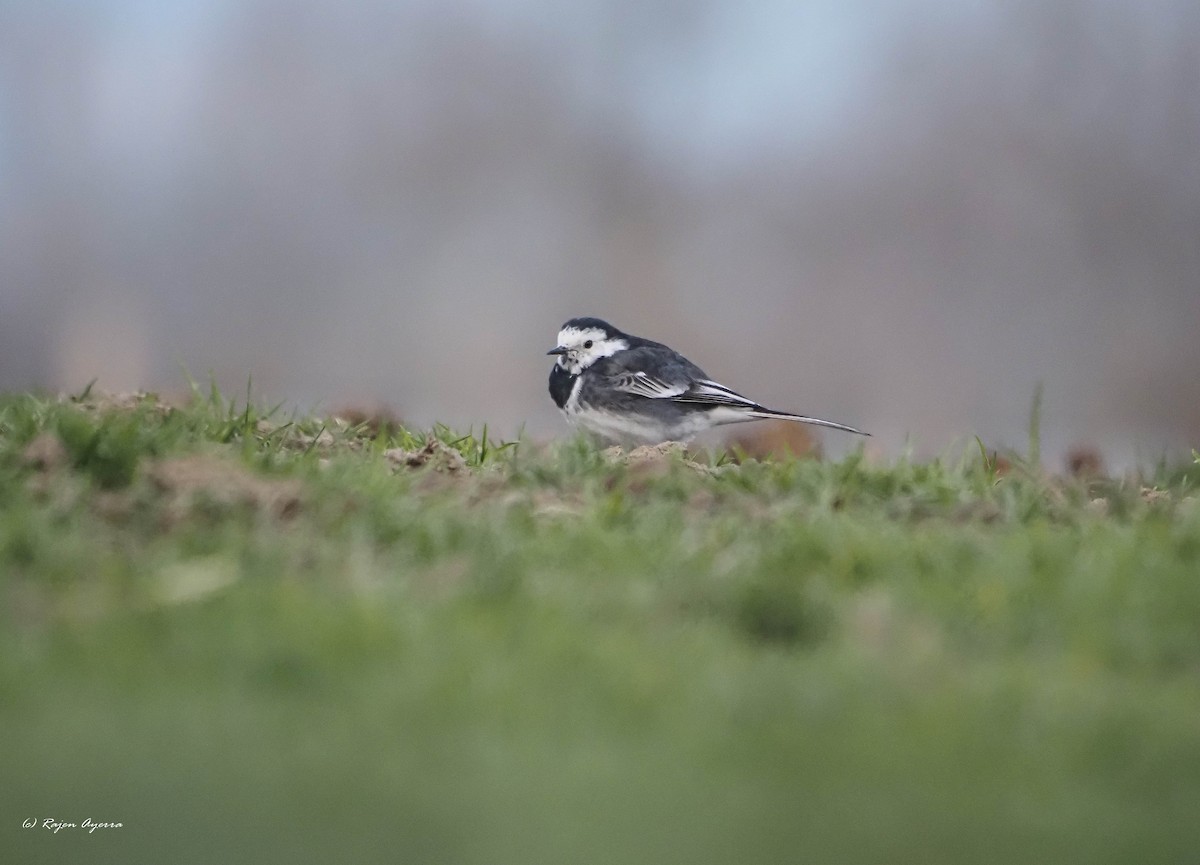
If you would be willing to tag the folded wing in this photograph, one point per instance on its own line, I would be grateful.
(703, 391)
(714, 393)
(706, 393)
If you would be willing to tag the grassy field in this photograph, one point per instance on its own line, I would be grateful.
(253, 640)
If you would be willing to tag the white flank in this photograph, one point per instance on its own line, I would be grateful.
(621, 427)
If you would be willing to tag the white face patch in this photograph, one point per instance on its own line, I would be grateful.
(586, 346)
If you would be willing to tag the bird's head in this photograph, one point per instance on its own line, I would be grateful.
(583, 341)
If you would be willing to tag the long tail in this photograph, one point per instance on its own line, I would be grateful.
(761, 412)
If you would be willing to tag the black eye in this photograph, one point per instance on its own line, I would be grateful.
(587, 344)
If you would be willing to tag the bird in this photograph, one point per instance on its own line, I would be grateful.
(632, 390)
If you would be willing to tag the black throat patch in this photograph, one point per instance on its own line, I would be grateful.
(561, 382)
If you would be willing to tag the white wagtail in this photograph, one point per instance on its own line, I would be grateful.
(626, 388)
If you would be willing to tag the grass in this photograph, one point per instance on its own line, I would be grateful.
(257, 639)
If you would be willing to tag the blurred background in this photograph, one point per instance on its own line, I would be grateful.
(900, 215)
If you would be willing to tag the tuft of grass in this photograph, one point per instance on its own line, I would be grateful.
(107, 452)
(304, 639)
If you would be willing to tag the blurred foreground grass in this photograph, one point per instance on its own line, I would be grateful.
(257, 641)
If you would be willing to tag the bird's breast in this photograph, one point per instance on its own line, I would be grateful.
(561, 385)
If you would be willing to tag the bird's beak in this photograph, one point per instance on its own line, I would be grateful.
(559, 350)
